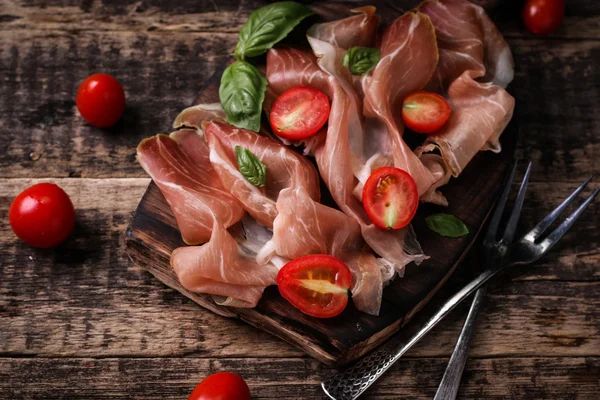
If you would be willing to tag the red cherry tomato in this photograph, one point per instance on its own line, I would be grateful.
(299, 112)
(425, 112)
(42, 215)
(543, 17)
(390, 198)
(101, 100)
(316, 284)
(221, 386)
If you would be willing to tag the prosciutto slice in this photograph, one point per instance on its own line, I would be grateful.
(285, 169)
(408, 60)
(221, 267)
(357, 30)
(475, 66)
(181, 169)
(304, 226)
(193, 117)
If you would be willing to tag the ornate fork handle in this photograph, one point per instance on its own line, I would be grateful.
(351, 383)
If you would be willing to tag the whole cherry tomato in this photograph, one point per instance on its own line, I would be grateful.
(543, 17)
(101, 100)
(42, 215)
(221, 386)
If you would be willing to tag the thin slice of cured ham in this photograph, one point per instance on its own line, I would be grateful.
(467, 40)
(285, 169)
(408, 60)
(304, 226)
(183, 173)
(193, 117)
(329, 42)
(475, 64)
(357, 30)
(222, 268)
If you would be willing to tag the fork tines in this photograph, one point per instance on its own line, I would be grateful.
(533, 237)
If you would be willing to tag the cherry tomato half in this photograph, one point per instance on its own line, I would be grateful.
(221, 386)
(390, 198)
(42, 215)
(425, 112)
(316, 284)
(299, 112)
(101, 100)
(543, 17)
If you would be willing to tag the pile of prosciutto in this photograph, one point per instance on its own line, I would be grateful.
(240, 235)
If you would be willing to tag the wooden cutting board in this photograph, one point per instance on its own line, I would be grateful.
(153, 234)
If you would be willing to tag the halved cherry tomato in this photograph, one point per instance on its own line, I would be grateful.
(390, 198)
(299, 112)
(42, 215)
(425, 112)
(101, 100)
(316, 284)
(221, 386)
(543, 17)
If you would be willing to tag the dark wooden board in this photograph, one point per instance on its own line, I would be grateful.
(153, 235)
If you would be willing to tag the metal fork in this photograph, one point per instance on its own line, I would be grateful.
(351, 383)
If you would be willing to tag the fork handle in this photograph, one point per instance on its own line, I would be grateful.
(448, 387)
(351, 383)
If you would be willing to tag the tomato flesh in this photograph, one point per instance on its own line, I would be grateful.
(316, 284)
(299, 113)
(101, 100)
(221, 386)
(390, 198)
(543, 17)
(42, 215)
(425, 112)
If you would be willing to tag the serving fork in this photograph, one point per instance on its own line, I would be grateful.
(499, 254)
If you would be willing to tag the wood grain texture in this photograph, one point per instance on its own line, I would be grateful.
(63, 312)
(94, 304)
(581, 19)
(173, 378)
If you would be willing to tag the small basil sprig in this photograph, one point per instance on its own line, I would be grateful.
(267, 26)
(446, 225)
(360, 60)
(242, 92)
(250, 166)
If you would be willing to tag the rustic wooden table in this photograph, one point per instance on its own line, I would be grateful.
(81, 321)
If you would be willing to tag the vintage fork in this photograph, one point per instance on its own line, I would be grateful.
(351, 383)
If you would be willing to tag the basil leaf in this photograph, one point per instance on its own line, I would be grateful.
(242, 92)
(250, 166)
(360, 60)
(267, 26)
(447, 225)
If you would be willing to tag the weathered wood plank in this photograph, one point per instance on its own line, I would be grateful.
(86, 299)
(46, 136)
(557, 88)
(581, 20)
(173, 378)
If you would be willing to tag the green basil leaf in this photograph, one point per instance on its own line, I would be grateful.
(250, 166)
(242, 92)
(267, 26)
(360, 60)
(447, 225)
